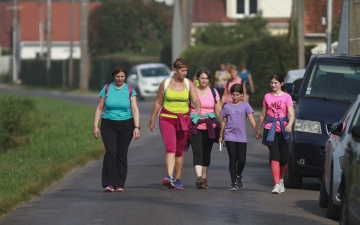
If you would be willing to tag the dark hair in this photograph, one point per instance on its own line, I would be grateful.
(118, 69)
(179, 63)
(237, 88)
(279, 77)
(201, 71)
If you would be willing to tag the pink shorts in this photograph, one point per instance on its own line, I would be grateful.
(174, 140)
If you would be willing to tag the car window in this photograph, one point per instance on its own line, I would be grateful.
(297, 85)
(335, 80)
(153, 72)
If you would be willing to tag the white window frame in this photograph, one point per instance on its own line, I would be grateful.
(231, 9)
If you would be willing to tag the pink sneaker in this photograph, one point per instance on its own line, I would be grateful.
(109, 188)
(119, 189)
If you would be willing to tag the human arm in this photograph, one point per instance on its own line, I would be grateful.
(291, 116)
(157, 105)
(223, 123)
(136, 117)
(223, 97)
(252, 88)
(98, 112)
(252, 122)
(244, 87)
(218, 110)
(195, 99)
(261, 121)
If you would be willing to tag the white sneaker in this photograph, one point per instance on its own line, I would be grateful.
(282, 187)
(276, 189)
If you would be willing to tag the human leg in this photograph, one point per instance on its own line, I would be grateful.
(197, 149)
(231, 149)
(124, 136)
(241, 149)
(109, 136)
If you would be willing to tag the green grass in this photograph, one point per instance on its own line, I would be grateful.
(60, 141)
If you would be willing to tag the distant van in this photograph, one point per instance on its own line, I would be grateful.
(330, 84)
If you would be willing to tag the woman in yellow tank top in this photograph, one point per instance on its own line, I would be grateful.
(174, 120)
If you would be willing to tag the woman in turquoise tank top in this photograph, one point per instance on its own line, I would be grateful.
(174, 119)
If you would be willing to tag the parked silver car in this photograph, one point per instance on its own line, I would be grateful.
(146, 78)
(350, 181)
(334, 154)
(295, 77)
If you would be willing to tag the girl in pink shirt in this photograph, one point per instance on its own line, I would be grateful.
(204, 125)
(234, 79)
(278, 115)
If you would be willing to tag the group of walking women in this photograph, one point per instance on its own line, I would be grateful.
(196, 115)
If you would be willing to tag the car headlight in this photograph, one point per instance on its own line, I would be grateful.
(308, 126)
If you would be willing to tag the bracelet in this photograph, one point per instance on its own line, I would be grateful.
(137, 127)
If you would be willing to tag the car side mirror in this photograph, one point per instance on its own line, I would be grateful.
(133, 77)
(290, 90)
(337, 129)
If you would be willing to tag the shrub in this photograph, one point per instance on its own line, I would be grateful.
(16, 119)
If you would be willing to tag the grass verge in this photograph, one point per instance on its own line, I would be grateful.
(60, 141)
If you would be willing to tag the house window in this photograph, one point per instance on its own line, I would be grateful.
(246, 7)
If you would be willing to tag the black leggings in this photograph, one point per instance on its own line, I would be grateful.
(237, 158)
(279, 151)
(116, 136)
(201, 146)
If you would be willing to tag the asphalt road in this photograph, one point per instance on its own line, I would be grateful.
(79, 197)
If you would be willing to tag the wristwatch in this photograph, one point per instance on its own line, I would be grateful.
(137, 127)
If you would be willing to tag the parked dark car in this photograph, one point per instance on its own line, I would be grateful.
(350, 181)
(334, 154)
(330, 84)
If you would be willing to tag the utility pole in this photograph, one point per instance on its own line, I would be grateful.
(48, 43)
(301, 32)
(71, 61)
(84, 60)
(329, 25)
(41, 29)
(354, 29)
(187, 8)
(15, 43)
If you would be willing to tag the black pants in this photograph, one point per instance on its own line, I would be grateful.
(116, 136)
(201, 146)
(279, 151)
(237, 158)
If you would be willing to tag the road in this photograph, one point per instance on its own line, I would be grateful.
(79, 197)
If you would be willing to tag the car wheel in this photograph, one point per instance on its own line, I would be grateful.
(323, 196)
(292, 179)
(333, 211)
(344, 208)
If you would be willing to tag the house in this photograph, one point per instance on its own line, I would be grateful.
(32, 20)
(277, 13)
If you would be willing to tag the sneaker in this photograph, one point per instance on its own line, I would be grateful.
(109, 188)
(239, 183)
(204, 184)
(282, 187)
(119, 189)
(168, 182)
(233, 187)
(178, 185)
(276, 189)
(199, 182)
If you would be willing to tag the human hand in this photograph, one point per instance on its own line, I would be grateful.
(96, 133)
(151, 125)
(288, 129)
(198, 110)
(258, 134)
(136, 133)
(220, 140)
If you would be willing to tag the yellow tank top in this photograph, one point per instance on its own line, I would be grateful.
(176, 102)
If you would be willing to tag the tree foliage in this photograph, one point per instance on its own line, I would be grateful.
(218, 35)
(128, 25)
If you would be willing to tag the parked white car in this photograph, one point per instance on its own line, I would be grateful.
(146, 78)
(295, 77)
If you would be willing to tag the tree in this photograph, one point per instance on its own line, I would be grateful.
(217, 35)
(128, 25)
